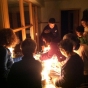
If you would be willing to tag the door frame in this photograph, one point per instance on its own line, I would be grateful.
(71, 9)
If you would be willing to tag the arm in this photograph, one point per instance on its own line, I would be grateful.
(10, 59)
(54, 50)
(50, 53)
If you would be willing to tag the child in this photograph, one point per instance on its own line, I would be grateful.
(52, 28)
(47, 38)
(79, 32)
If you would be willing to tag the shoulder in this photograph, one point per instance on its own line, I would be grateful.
(38, 63)
(55, 26)
(83, 46)
(3, 50)
(53, 44)
(47, 26)
(75, 58)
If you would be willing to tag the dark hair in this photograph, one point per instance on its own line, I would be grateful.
(52, 20)
(8, 37)
(67, 45)
(28, 46)
(80, 29)
(72, 37)
(47, 37)
(84, 19)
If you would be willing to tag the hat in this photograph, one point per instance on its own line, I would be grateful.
(52, 20)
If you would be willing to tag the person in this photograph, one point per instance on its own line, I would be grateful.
(84, 23)
(26, 73)
(8, 39)
(72, 70)
(81, 50)
(47, 38)
(79, 32)
(52, 28)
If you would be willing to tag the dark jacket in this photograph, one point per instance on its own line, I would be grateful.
(54, 32)
(5, 64)
(71, 73)
(54, 50)
(25, 73)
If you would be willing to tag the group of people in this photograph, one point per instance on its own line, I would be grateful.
(25, 73)
(71, 50)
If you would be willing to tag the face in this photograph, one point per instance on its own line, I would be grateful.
(78, 34)
(84, 23)
(51, 25)
(63, 52)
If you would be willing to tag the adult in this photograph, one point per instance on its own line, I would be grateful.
(72, 70)
(26, 73)
(81, 50)
(8, 39)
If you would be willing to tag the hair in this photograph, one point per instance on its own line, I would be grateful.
(84, 19)
(52, 20)
(72, 37)
(8, 37)
(28, 46)
(47, 37)
(67, 45)
(80, 29)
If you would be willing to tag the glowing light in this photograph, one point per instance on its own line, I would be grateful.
(50, 67)
(36, 34)
(11, 50)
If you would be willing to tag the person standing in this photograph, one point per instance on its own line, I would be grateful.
(8, 39)
(52, 28)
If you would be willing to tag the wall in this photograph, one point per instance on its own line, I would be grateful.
(37, 2)
(52, 9)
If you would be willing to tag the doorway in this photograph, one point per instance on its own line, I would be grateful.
(69, 21)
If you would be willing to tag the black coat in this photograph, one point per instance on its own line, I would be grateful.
(25, 73)
(54, 32)
(5, 64)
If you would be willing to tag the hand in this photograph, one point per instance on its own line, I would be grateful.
(54, 79)
(47, 31)
(43, 48)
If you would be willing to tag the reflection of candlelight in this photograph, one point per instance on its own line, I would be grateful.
(51, 69)
(50, 66)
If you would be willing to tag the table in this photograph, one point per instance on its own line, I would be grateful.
(50, 84)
